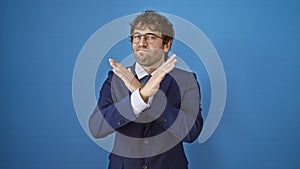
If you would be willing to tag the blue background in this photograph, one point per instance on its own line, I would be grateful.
(257, 41)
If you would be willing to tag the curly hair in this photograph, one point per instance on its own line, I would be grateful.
(155, 22)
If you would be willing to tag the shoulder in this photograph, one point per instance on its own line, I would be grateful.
(185, 79)
(182, 74)
(178, 70)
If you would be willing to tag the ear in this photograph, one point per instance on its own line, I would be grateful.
(167, 46)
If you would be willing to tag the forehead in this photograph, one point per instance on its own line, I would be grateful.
(144, 28)
(144, 31)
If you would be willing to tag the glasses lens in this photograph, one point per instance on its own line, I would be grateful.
(149, 37)
(136, 38)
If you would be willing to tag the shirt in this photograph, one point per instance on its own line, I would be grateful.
(137, 102)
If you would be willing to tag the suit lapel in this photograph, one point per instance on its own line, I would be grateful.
(165, 84)
(132, 68)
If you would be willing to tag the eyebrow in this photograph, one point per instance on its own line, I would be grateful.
(150, 33)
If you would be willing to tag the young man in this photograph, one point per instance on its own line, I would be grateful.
(152, 106)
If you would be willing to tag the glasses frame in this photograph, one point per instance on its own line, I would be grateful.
(147, 37)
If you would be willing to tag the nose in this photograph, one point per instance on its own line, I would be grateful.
(143, 41)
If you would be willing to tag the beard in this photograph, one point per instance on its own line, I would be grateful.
(149, 58)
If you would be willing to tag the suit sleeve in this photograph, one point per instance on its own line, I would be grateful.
(106, 117)
(184, 122)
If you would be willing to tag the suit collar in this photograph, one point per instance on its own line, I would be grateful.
(139, 71)
(165, 84)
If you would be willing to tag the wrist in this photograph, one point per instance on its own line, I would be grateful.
(144, 97)
(134, 85)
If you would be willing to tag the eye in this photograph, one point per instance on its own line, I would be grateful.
(136, 36)
(150, 37)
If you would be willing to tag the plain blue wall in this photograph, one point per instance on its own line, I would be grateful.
(257, 41)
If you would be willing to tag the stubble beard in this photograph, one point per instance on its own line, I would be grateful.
(149, 60)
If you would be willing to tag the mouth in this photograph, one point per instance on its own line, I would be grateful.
(142, 53)
(142, 50)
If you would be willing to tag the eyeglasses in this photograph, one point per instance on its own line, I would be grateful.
(149, 37)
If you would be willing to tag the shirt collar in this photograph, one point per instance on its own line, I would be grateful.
(140, 71)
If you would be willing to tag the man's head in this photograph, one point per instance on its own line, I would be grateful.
(151, 36)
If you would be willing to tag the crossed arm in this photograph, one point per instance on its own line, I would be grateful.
(152, 86)
(190, 108)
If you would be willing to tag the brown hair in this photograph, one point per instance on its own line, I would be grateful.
(154, 22)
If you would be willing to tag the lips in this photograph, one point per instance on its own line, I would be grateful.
(139, 52)
(143, 49)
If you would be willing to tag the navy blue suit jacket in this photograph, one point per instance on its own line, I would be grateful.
(153, 140)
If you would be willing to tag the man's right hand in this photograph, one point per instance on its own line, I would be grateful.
(125, 74)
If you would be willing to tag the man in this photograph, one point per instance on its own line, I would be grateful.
(152, 106)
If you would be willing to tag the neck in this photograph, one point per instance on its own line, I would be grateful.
(152, 68)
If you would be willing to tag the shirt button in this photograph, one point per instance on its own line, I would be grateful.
(145, 166)
(146, 141)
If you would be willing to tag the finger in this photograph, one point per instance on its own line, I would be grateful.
(119, 68)
(171, 59)
(168, 66)
(174, 55)
(111, 60)
(161, 72)
(129, 72)
(123, 72)
(112, 63)
(118, 73)
(116, 67)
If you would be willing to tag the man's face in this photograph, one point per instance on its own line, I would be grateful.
(148, 49)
